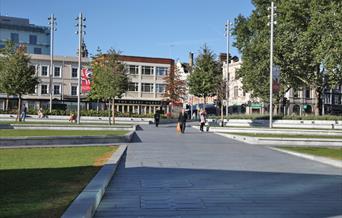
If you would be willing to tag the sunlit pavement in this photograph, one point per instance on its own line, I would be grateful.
(167, 174)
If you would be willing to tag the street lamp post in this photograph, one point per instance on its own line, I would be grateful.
(80, 26)
(272, 22)
(52, 23)
(228, 25)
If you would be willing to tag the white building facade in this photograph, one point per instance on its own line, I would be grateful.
(145, 90)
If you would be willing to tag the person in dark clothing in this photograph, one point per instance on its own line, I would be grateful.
(23, 113)
(182, 120)
(157, 118)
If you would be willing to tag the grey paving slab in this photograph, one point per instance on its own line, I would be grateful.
(196, 174)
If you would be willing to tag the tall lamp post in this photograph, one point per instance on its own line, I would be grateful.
(52, 23)
(228, 25)
(272, 22)
(80, 31)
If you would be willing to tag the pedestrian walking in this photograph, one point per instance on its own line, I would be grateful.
(40, 113)
(23, 113)
(157, 118)
(182, 120)
(203, 119)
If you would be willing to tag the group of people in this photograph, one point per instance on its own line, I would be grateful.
(182, 118)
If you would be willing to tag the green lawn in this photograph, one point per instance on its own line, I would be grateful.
(267, 135)
(34, 132)
(42, 182)
(334, 153)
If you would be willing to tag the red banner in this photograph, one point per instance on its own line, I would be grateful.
(86, 79)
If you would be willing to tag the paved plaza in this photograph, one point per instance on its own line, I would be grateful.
(166, 174)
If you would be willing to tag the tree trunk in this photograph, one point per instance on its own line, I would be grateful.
(97, 105)
(222, 124)
(113, 110)
(19, 109)
(318, 101)
(205, 102)
(109, 110)
(7, 102)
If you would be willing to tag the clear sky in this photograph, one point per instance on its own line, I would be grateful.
(153, 28)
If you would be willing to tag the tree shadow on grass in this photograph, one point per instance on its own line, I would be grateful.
(41, 192)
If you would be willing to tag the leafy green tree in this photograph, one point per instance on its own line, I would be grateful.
(17, 77)
(110, 78)
(206, 75)
(325, 33)
(307, 37)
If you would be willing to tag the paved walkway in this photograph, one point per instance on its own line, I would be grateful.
(204, 175)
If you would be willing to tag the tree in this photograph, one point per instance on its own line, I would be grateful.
(305, 31)
(17, 77)
(110, 78)
(206, 75)
(175, 87)
(325, 32)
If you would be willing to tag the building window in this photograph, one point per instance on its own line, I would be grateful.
(307, 93)
(236, 91)
(44, 89)
(74, 72)
(15, 37)
(147, 87)
(44, 71)
(57, 72)
(33, 39)
(133, 69)
(34, 68)
(147, 70)
(161, 71)
(56, 89)
(37, 50)
(73, 90)
(295, 93)
(133, 87)
(160, 88)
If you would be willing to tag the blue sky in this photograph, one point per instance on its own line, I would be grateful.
(153, 28)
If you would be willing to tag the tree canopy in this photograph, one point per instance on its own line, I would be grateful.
(206, 75)
(17, 77)
(110, 78)
(307, 45)
(175, 87)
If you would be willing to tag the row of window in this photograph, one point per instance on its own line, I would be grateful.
(57, 71)
(146, 87)
(134, 87)
(32, 41)
(132, 69)
(44, 90)
(147, 70)
(32, 38)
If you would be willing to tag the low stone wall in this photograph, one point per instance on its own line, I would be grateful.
(84, 119)
(65, 140)
(84, 206)
(67, 127)
(314, 124)
(285, 141)
(275, 131)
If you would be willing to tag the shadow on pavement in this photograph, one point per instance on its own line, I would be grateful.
(149, 191)
(136, 138)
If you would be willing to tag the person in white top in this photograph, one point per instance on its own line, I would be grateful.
(202, 119)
